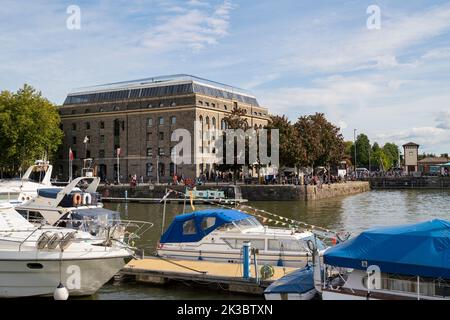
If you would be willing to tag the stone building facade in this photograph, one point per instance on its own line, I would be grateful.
(139, 117)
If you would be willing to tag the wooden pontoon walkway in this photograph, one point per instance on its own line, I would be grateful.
(227, 276)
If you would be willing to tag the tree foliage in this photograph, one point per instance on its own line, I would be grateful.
(29, 128)
(322, 141)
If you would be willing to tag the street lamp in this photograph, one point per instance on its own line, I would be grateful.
(354, 139)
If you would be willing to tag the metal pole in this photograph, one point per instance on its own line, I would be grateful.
(70, 170)
(246, 259)
(354, 139)
(118, 167)
(157, 167)
(164, 212)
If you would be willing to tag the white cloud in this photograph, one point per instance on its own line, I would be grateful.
(194, 29)
(361, 48)
(443, 120)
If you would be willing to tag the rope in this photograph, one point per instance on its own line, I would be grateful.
(180, 265)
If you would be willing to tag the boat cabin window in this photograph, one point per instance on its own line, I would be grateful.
(9, 196)
(208, 222)
(238, 243)
(248, 223)
(189, 227)
(287, 245)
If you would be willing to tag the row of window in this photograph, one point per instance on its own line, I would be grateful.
(101, 124)
(161, 91)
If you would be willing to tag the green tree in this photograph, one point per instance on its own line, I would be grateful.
(362, 150)
(392, 152)
(29, 128)
(322, 141)
(291, 152)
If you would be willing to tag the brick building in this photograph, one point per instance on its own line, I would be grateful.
(139, 117)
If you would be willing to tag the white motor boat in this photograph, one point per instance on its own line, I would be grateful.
(219, 234)
(410, 262)
(17, 191)
(34, 260)
(77, 206)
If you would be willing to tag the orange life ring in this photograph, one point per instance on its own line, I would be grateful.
(77, 199)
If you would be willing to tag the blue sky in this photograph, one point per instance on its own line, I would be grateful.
(297, 57)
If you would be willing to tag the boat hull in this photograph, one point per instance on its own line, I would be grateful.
(82, 277)
(291, 260)
(309, 295)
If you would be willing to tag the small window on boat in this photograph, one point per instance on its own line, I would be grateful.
(189, 227)
(287, 245)
(208, 222)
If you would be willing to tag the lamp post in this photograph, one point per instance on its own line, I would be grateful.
(354, 139)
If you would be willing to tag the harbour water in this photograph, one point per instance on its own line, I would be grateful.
(351, 213)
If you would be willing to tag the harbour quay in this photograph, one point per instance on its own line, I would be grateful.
(409, 182)
(147, 193)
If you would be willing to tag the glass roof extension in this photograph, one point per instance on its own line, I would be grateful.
(158, 87)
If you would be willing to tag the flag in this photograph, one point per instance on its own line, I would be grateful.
(70, 154)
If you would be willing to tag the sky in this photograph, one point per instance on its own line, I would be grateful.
(297, 57)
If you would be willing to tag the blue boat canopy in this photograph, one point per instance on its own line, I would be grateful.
(51, 193)
(421, 249)
(299, 281)
(192, 227)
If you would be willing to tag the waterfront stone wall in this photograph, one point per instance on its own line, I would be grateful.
(249, 192)
(410, 183)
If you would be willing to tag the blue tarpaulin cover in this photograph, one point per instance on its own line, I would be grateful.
(174, 234)
(421, 249)
(51, 193)
(300, 281)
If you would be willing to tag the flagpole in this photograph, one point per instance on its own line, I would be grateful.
(118, 166)
(70, 165)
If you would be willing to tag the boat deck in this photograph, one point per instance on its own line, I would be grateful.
(226, 276)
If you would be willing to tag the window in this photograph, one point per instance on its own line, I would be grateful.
(160, 151)
(235, 104)
(173, 104)
(74, 140)
(150, 106)
(88, 153)
(238, 243)
(213, 105)
(102, 138)
(88, 126)
(73, 112)
(162, 169)
(101, 154)
(287, 245)
(101, 110)
(225, 107)
(116, 108)
(149, 152)
(173, 120)
(200, 103)
(149, 122)
(214, 123)
(161, 121)
(207, 104)
(101, 125)
(161, 105)
(161, 136)
(189, 227)
(149, 136)
(149, 169)
(74, 126)
(208, 222)
(87, 111)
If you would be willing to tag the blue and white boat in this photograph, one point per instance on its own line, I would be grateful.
(297, 285)
(218, 235)
(400, 262)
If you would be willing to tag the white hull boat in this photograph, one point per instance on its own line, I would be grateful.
(218, 235)
(35, 260)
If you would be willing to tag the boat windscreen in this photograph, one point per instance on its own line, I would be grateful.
(248, 223)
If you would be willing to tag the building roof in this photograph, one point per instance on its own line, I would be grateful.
(436, 160)
(411, 144)
(421, 249)
(158, 87)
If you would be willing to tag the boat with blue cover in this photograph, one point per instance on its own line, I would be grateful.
(219, 234)
(400, 262)
(297, 285)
